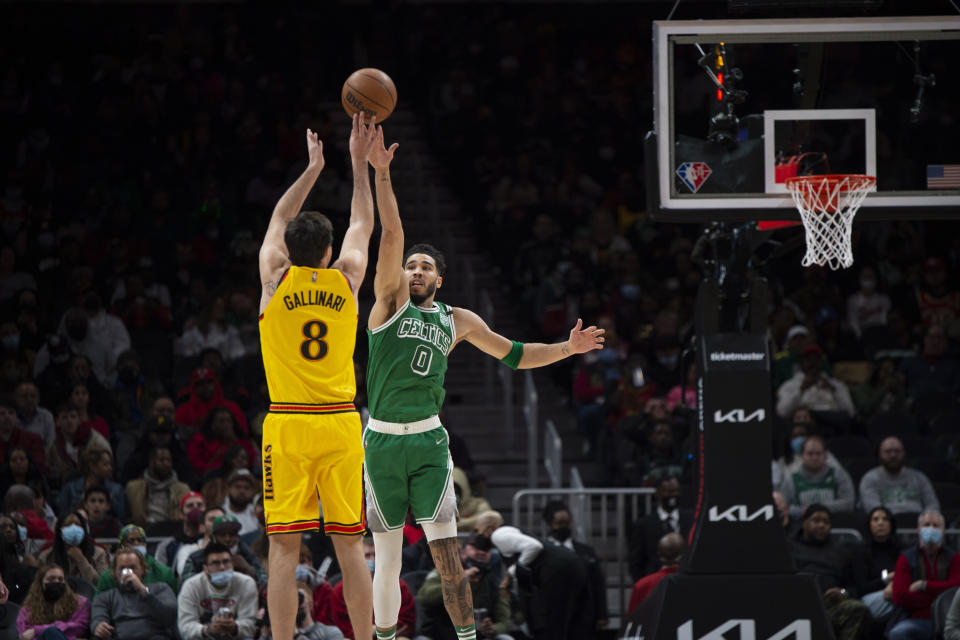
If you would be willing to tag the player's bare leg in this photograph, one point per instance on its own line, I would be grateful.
(357, 586)
(282, 599)
(457, 595)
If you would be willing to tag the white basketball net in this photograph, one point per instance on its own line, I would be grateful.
(827, 207)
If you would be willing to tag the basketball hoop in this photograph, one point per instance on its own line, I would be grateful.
(827, 207)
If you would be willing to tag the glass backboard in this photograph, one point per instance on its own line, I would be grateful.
(741, 105)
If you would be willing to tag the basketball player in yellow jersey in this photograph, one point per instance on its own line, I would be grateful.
(311, 437)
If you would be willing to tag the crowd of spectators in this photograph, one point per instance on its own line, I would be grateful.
(864, 379)
(137, 170)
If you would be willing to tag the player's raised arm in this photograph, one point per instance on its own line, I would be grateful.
(390, 284)
(519, 355)
(353, 254)
(274, 258)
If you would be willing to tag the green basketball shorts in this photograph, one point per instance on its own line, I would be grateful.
(407, 467)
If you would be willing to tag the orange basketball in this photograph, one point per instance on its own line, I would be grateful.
(371, 91)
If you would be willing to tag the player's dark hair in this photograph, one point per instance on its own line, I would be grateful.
(307, 237)
(431, 251)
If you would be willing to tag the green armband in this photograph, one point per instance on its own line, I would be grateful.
(512, 359)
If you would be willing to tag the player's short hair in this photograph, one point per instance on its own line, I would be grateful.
(307, 237)
(431, 251)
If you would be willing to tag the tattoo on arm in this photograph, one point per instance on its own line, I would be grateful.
(384, 178)
(565, 348)
(457, 595)
(271, 286)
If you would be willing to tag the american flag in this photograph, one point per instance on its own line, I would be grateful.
(943, 176)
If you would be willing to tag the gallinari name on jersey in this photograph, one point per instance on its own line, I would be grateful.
(313, 298)
(416, 328)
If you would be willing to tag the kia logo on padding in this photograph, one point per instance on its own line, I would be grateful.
(739, 415)
(739, 513)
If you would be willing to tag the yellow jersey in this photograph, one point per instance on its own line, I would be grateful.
(308, 332)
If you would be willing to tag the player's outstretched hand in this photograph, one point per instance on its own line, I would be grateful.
(583, 340)
(380, 157)
(362, 137)
(315, 150)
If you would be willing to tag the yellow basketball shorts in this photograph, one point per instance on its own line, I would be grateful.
(313, 453)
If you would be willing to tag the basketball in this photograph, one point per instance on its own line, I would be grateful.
(370, 91)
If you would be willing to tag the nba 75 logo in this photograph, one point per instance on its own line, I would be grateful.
(694, 174)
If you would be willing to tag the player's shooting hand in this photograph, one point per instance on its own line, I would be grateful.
(315, 150)
(583, 340)
(362, 137)
(380, 157)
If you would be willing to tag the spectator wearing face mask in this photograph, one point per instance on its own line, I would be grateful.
(647, 531)
(556, 515)
(226, 531)
(217, 603)
(13, 535)
(307, 627)
(331, 606)
(21, 499)
(74, 550)
(135, 539)
(491, 604)
(136, 607)
(923, 572)
(867, 308)
(51, 610)
(791, 460)
(186, 550)
(190, 515)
